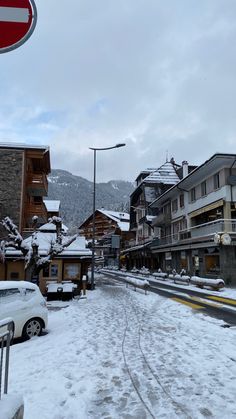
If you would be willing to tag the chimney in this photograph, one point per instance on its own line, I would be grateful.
(185, 168)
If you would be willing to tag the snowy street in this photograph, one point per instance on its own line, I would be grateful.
(124, 354)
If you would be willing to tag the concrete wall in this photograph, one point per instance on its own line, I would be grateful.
(15, 267)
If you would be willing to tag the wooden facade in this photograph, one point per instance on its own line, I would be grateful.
(37, 167)
(60, 269)
(103, 225)
(107, 224)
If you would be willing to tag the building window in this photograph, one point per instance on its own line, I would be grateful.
(166, 209)
(50, 271)
(14, 276)
(217, 180)
(46, 271)
(193, 194)
(168, 256)
(174, 205)
(203, 188)
(181, 200)
(54, 271)
(72, 271)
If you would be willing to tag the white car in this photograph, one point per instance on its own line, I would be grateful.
(23, 302)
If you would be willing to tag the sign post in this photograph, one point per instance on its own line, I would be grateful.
(17, 22)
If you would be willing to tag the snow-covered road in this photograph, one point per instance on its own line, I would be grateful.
(121, 354)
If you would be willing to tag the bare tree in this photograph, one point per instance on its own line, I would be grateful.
(34, 263)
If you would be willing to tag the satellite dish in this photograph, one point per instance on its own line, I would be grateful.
(217, 238)
(226, 239)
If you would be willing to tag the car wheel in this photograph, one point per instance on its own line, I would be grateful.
(32, 327)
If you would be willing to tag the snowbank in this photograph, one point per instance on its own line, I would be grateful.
(201, 282)
(139, 283)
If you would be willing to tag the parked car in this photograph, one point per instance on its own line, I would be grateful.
(23, 302)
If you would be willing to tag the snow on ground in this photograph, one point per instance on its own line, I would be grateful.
(124, 354)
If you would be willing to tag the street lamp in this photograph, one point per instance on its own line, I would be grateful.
(94, 203)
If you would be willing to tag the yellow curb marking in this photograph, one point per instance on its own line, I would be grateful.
(223, 300)
(200, 300)
(179, 300)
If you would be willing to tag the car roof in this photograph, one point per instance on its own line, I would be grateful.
(17, 284)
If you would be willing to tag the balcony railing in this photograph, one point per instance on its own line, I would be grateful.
(37, 184)
(201, 230)
(197, 232)
(32, 209)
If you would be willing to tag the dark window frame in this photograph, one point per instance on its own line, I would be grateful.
(203, 188)
(174, 205)
(193, 194)
(181, 200)
(216, 179)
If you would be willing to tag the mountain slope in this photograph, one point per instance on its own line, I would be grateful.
(76, 195)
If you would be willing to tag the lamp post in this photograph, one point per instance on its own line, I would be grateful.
(94, 203)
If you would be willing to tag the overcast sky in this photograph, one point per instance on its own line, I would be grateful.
(157, 75)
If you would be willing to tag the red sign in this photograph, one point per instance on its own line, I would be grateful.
(17, 22)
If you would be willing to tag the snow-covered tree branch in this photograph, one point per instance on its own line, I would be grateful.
(34, 263)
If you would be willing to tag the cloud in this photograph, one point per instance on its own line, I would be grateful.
(158, 76)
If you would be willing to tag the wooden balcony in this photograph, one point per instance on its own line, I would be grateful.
(37, 184)
(38, 209)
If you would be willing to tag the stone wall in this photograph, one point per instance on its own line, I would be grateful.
(10, 185)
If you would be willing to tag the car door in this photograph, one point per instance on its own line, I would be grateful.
(12, 305)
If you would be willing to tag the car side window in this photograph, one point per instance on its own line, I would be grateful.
(27, 293)
(9, 294)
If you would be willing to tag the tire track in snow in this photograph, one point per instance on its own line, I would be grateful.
(143, 362)
(145, 405)
(174, 402)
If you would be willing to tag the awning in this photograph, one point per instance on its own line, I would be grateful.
(187, 246)
(137, 247)
(207, 208)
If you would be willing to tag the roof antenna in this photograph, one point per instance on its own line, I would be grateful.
(167, 156)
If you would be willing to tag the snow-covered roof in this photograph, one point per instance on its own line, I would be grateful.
(51, 227)
(122, 218)
(123, 226)
(145, 172)
(165, 174)
(52, 205)
(45, 239)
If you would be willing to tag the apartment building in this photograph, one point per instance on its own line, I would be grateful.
(196, 221)
(150, 184)
(23, 184)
